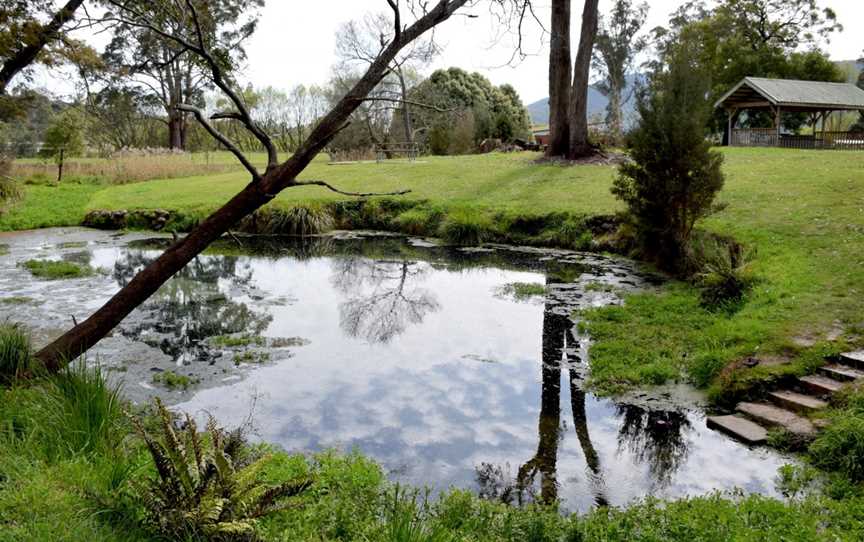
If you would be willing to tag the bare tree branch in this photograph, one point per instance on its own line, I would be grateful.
(353, 194)
(227, 143)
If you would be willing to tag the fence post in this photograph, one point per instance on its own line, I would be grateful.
(60, 166)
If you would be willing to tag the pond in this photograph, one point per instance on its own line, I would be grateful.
(450, 367)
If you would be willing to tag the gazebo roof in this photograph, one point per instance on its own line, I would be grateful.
(756, 92)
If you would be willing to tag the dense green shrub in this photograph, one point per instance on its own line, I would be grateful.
(673, 175)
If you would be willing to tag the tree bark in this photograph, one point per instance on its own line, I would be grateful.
(406, 109)
(579, 144)
(175, 130)
(85, 335)
(28, 53)
(559, 79)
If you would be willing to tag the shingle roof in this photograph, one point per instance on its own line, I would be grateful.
(787, 92)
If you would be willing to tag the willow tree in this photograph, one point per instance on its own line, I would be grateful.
(264, 184)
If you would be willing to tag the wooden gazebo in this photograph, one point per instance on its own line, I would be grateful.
(815, 98)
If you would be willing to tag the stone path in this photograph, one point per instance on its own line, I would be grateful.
(788, 408)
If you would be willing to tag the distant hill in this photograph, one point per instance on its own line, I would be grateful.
(597, 103)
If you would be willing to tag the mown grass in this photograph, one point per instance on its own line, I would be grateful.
(802, 210)
(71, 468)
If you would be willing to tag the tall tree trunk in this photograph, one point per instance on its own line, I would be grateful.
(579, 145)
(559, 79)
(406, 109)
(615, 117)
(25, 56)
(83, 336)
(175, 130)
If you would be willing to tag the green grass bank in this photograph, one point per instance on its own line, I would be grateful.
(802, 211)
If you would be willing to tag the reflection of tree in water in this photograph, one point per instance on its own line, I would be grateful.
(190, 307)
(558, 347)
(382, 297)
(655, 437)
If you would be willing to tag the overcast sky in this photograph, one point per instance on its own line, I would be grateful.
(295, 41)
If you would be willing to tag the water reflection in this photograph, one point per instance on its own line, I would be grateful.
(196, 304)
(657, 438)
(410, 357)
(383, 297)
(560, 348)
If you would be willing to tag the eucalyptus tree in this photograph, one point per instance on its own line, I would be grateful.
(168, 70)
(24, 39)
(568, 99)
(615, 53)
(187, 30)
(358, 43)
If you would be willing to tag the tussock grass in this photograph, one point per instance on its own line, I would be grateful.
(57, 270)
(299, 220)
(81, 412)
(466, 227)
(16, 353)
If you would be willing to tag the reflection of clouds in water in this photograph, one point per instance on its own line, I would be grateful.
(431, 415)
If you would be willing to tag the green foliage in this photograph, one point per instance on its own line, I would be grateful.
(10, 192)
(234, 341)
(80, 413)
(66, 133)
(56, 270)
(726, 274)
(295, 220)
(465, 227)
(840, 446)
(207, 487)
(172, 380)
(477, 110)
(673, 176)
(784, 45)
(16, 353)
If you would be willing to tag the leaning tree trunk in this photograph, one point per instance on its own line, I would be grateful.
(559, 79)
(579, 144)
(263, 189)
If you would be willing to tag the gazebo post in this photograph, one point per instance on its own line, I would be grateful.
(731, 112)
(777, 126)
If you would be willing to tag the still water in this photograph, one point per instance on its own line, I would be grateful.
(419, 356)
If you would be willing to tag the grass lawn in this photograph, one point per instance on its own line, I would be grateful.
(803, 211)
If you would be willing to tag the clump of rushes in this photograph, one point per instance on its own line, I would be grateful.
(82, 412)
(16, 353)
(15, 300)
(299, 220)
(466, 228)
(521, 291)
(172, 380)
(250, 356)
(53, 270)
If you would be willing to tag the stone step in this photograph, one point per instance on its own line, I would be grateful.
(841, 372)
(797, 401)
(740, 428)
(853, 359)
(820, 385)
(772, 416)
